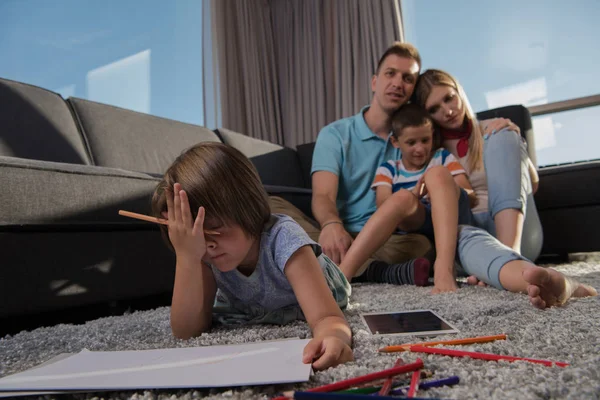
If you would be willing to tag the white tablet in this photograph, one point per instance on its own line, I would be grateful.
(407, 323)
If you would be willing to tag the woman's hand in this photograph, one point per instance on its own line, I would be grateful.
(326, 352)
(493, 126)
(186, 235)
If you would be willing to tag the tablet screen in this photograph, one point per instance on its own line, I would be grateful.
(417, 323)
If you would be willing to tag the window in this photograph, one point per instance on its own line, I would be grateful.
(518, 52)
(149, 56)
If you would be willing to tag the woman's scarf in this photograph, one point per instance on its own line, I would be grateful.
(462, 134)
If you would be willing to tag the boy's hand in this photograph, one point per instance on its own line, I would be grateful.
(420, 190)
(473, 200)
(443, 283)
(186, 235)
(327, 352)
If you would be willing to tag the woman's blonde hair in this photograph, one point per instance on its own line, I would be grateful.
(435, 77)
(222, 180)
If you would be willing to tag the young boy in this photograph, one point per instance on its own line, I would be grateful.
(402, 186)
(417, 193)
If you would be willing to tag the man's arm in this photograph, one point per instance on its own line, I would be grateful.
(325, 188)
(334, 239)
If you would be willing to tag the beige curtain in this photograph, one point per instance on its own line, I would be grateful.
(304, 63)
(246, 65)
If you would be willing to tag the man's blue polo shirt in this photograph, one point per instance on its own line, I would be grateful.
(350, 149)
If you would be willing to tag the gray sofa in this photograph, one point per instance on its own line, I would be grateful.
(68, 166)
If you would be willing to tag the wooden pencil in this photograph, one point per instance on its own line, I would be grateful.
(359, 380)
(387, 385)
(155, 220)
(479, 339)
(341, 396)
(450, 381)
(482, 356)
(414, 384)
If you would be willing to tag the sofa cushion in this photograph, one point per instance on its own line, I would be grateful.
(43, 192)
(571, 229)
(249, 146)
(120, 138)
(573, 185)
(276, 165)
(305, 155)
(38, 124)
(279, 168)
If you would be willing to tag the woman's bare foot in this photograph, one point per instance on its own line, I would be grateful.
(472, 280)
(548, 287)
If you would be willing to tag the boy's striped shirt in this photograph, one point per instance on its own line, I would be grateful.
(392, 172)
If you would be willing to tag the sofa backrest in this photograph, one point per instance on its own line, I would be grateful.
(276, 165)
(521, 116)
(37, 124)
(134, 141)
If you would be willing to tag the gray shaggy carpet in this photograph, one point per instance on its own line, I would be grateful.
(570, 334)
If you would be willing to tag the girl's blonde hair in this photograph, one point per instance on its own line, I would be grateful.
(435, 77)
(222, 180)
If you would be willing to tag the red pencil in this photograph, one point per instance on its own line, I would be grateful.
(387, 385)
(482, 356)
(348, 383)
(414, 384)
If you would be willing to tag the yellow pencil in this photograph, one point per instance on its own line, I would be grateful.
(407, 346)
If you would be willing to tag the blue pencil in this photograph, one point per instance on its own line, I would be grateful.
(453, 380)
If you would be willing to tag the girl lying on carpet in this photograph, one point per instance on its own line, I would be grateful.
(238, 263)
(401, 205)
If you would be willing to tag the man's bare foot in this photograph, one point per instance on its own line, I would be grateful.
(548, 287)
(472, 280)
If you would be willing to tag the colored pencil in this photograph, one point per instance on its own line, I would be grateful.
(414, 383)
(359, 380)
(406, 347)
(362, 390)
(482, 356)
(340, 396)
(155, 220)
(450, 381)
(387, 385)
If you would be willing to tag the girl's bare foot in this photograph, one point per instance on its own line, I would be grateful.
(548, 287)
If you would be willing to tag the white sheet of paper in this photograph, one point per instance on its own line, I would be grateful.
(211, 366)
